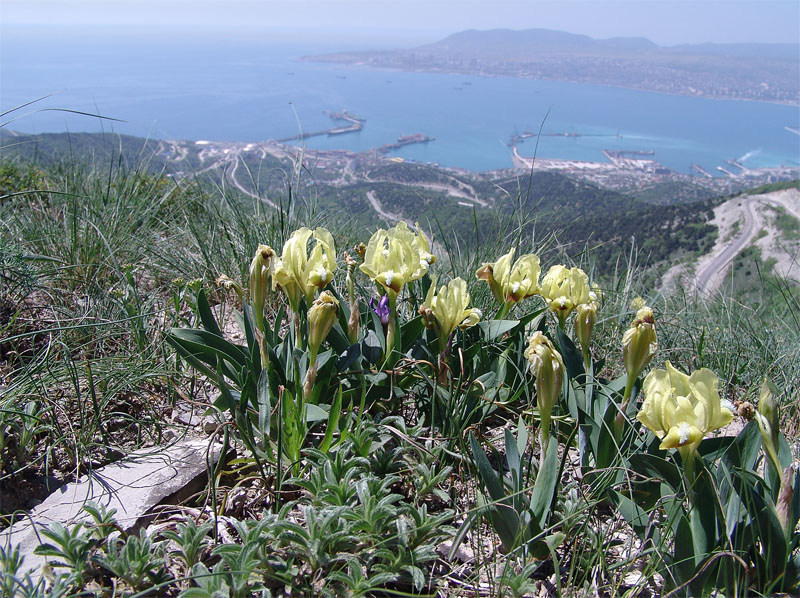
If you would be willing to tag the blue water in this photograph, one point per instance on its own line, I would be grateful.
(197, 85)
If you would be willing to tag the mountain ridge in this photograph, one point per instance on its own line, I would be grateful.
(552, 39)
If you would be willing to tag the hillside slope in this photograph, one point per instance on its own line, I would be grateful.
(767, 224)
(454, 205)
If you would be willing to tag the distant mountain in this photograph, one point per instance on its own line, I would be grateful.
(524, 43)
(517, 44)
(766, 72)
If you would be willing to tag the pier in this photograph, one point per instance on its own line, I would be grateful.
(356, 124)
(699, 169)
(404, 140)
(738, 165)
(632, 154)
(517, 137)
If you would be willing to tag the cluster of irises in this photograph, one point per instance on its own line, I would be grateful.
(372, 362)
(680, 409)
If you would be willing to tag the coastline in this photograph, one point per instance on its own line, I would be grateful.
(489, 75)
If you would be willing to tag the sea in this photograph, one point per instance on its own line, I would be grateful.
(200, 84)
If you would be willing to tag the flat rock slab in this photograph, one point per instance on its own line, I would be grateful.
(132, 486)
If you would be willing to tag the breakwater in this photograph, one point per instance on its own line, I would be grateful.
(356, 124)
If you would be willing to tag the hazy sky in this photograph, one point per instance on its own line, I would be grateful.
(664, 21)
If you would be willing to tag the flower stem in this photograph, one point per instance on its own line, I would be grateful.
(504, 310)
(391, 329)
(310, 378)
(298, 338)
(441, 367)
(689, 475)
(544, 432)
(619, 420)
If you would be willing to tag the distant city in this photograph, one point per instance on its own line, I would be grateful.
(763, 72)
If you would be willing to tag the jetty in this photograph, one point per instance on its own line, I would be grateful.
(517, 137)
(356, 124)
(738, 165)
(404, 140)
(699, 169)
(633, 154)
(728, 172)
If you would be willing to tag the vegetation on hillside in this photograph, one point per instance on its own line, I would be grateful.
(577, 214)
(483, 420)
(770, 187)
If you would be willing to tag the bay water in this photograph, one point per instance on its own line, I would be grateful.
(200, 84)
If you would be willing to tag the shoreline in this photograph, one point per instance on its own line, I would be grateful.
(488, 75)
(518, 162)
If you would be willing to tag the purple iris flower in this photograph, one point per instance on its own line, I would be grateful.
(382, 308)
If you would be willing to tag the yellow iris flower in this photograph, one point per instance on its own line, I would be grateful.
(300, 274)
(447, 310)
(512, 281)
(681, 409)
(396, 256)
(565, 289)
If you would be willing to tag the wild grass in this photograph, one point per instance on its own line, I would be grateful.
(100, 262)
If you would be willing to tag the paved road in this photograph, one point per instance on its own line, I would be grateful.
(709, 277)
(706, 278)
(236, 158)
(376, 205)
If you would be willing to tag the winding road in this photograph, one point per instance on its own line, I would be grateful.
(236, 158)
(710, 275)
(376, 205)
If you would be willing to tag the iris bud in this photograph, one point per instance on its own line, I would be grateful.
(639, 343)
(768, 423)
(548, 367)
(321, 317)
(260, 271)
(585, 318)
